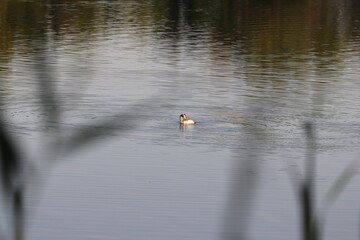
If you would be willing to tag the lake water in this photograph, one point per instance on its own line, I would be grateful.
(92, 92)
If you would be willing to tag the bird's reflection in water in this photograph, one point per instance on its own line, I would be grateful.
(185, 128)
(185, 131)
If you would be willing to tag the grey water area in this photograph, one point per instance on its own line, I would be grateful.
(148, 177)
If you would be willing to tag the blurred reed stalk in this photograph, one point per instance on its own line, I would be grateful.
(16, 179)
(244, 181)
(307, 188)
(12, 182)
(313, 218)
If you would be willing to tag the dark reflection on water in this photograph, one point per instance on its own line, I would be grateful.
(120, 72)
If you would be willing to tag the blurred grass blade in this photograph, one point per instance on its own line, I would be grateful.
(310, 231)
(310, 160)
(120, 123)
(11, 181)
(339, 185)
(47, 96)
(294, 175)
(243, 187)
(307, 188)
(9, 160)
(19, 218)
(87, 134)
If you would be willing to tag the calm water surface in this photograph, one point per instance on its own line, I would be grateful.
(250, 73)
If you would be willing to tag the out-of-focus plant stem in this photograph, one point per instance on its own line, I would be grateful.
(307, 191)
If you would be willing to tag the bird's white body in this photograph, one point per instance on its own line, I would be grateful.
(184, 120)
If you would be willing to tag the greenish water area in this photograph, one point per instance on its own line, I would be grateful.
(90, 98)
